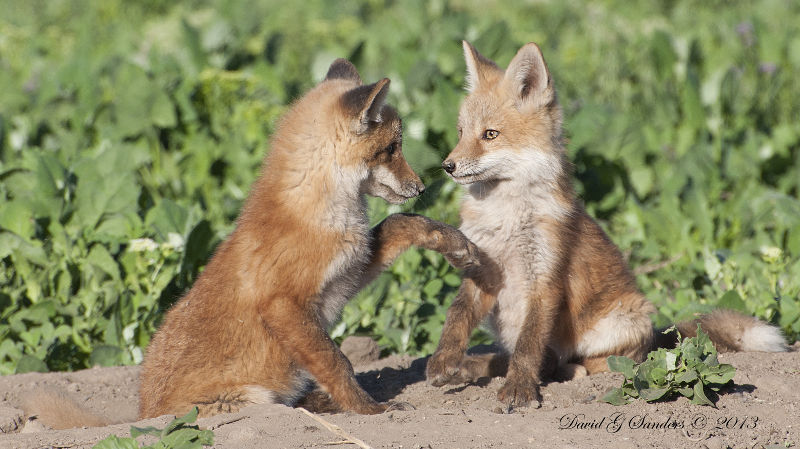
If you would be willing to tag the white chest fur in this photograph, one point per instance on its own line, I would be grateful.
(343, 278)
(505, 223)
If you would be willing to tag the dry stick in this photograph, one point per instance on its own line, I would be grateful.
(228, 421)
(336, 430)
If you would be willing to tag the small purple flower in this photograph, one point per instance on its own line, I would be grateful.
(746, 33)
(767, 67)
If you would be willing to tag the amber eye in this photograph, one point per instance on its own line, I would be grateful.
(490, 134)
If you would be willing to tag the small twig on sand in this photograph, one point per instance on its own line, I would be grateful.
(228, 421)
(651, 267)
(336, 430)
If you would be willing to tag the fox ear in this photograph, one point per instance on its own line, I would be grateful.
(527, 75)
(366, 104)
(343, 69)
(477, 66)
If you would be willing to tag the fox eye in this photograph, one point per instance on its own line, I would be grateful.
(391, 148)
(490, 134)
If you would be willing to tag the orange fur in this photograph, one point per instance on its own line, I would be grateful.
(566, 295)
(58, 411)
(252, 328)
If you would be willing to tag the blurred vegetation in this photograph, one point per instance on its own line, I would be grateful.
(131, 131)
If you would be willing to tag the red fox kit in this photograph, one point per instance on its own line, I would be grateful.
(566, 293)
(253, 327)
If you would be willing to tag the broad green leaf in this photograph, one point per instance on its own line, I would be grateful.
(452, 280)
(96, 196)
(168, 217)
(621, 364)
(615, 397)
(653, 394)
(693, 111)
(688, 376)
(732, 300)
(186, 438)
(700, 395)
(657, 375)
(15, 216)
(115, 442)
(29, 364)
(664, 57)
(687, 392)
(185, 419)
(100, 258)
(433, 287)
(722, 375)
(106, 355)
(149, 430)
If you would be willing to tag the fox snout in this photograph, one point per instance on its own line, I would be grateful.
(411, 188)
(402, 190)
(403, 180)
(449, 166)
(395, 182)
(414, 186)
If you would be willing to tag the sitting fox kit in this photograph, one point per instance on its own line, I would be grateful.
(253, 327)
(567, 299)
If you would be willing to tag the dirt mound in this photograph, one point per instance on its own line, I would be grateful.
(761, 410)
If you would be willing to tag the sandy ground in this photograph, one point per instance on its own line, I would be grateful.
(761, 410)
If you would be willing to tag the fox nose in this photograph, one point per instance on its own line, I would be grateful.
(449, 166)
(414, 186)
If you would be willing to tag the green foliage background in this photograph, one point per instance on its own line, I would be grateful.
(131, 131)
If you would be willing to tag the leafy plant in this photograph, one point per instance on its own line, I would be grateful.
(130, 133)
(690, 370)
(177, 435)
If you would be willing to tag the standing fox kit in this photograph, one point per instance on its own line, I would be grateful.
(253, 327)
(566, 299)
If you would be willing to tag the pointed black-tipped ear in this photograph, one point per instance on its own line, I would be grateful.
(478, 66)
(527, 75)
(343, 69)
(366, 104)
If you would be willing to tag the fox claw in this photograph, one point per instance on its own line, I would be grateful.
(443, 370)
(371, 409)
(400, 405)
(465, 257)
(520, 394)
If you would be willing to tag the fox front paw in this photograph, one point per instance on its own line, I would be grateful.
(370, 408)
(454, 246)
(520, 394)
(443, 369)
(399, 405)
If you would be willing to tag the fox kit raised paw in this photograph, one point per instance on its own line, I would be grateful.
(565, 295)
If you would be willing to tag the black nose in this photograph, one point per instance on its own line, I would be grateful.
(449, 166)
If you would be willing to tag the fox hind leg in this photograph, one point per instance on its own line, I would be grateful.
(233, 400)
(318, 401)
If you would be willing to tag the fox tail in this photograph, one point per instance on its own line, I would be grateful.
(54, 409)
(730, 331)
